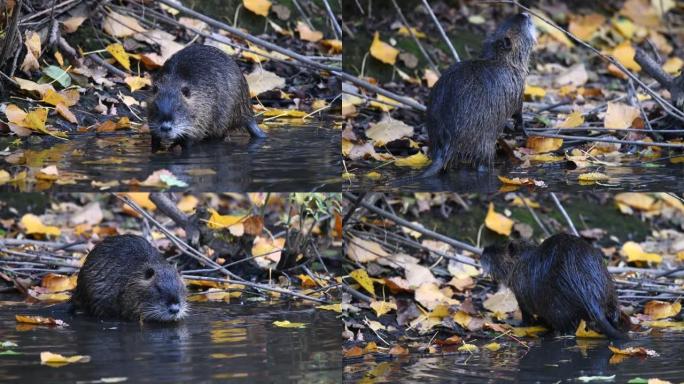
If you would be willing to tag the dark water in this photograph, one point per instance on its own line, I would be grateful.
(633, 176)
(217, 343)
(292, 158)
(547, 361)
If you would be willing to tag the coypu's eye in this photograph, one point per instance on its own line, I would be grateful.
(185, 91)
(149, 273)
(506, 43)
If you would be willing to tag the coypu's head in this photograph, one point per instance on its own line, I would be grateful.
(499, 260)
(512, 41)
(170, 110)
(155, 292)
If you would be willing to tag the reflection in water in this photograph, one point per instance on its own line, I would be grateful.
(547, 361)
(292, 158)
(633, 175)
(215, 343)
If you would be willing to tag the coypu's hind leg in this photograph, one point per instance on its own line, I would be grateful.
(254, 129)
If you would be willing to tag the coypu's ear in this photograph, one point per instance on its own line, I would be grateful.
(149, 273)
(504, 44)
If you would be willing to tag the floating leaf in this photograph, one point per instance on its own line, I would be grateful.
(40, 320)
(57, 359)
(288, 324)
(331, 307)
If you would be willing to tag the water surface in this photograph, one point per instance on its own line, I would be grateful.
(546, 361)
(217, 343)
(292, 158)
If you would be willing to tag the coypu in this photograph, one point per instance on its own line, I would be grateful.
(126, 277)
(470, 103)
(199, 93)
(562, 281)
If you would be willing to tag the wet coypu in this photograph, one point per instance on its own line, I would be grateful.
(471, 102)
(561, 281)
(126, 277)
(199, 93)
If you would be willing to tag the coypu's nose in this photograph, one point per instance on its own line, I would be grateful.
(174, 308)
(165, 126)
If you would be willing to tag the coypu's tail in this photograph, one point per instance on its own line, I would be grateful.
(605, 326)
(254, 129)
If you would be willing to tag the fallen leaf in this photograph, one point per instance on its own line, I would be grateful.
(573, 120)
(33, 225)
(71, 24)
(383, 51)
(620, 116)
(363, 251)
(40, 320)
(120, 55)
(308, 34)
(388, 130)
(261, 80)
(498, 222)
(137, 82)
(361, 277)
(119, 25)
(543, 144)
(382, 307)
(415, 161)
(657, 309)
(635, 253)
(259, 7)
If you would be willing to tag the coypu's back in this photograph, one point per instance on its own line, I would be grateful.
(562, 281)
(470, 103)
(126, 277)
(200, 93)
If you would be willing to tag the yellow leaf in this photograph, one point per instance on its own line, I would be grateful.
(383, 51)
(288, 324)
(384, 103)
(267, 250)
(584, 332)
(119, 53)
(331, 307)
(635, 253)
(673, 65)
(493, 346)
(624, 26)
(334, 45)
(593, 176)
(53, 98)
(4, 176)
(534, 92)
(187, 203)
(54, 358)
(573, 120)
(498, 222)
(584, 27)
(463, 319)
(641, 201)
(430, 77)
(373, 175)
(675, 325)
(33, 225)
(661, 310)
(468, 348)
(218, 221)
(416, 161)
(549, 29)
(382, 307)
(543, 144)
(528, 331)
(620, 116)
(308, 34)
(137, 82)
(64, 111)
(624, 53)
(361, 277)
(260, 7)
(36, 119)
(405, 32)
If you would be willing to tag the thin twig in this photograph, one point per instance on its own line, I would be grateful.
(564, 213)
(441, 31)
(258, 286)
(415, 38)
